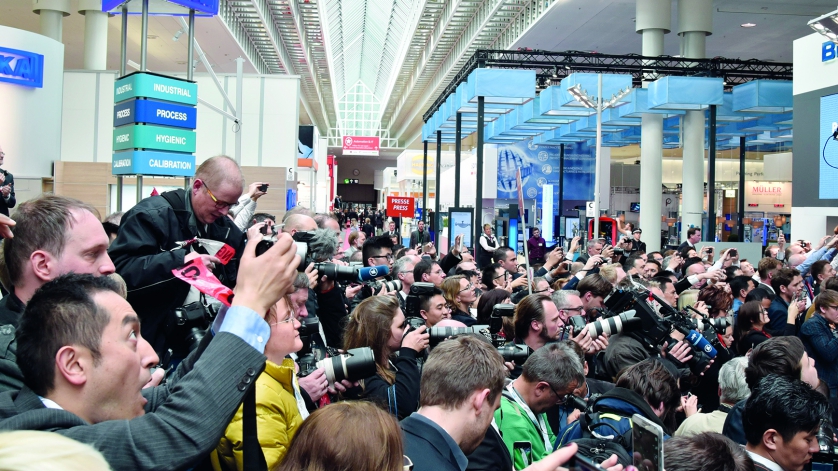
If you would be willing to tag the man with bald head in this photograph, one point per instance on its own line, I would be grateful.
(154, 239)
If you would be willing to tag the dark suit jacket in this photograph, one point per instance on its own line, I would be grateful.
(10, 203)
(415, 239)
(491, 455)
(184, 418)
(426, 447)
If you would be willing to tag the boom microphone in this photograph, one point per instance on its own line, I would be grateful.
(371, 273)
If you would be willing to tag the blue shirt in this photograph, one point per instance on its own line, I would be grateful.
(821, 344)
(456, 451)
(778, 315)
(736, 305)
(244, 323)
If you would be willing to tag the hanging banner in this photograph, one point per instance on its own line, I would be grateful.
(360, 145)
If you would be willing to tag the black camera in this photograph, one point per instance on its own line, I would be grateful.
(438, 334)
(191, 323)
(515, 352)
(355, 364)
(412, 302)
(499, 311)
(263, 187)
(608, 324)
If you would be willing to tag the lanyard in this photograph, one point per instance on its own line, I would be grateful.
(538, 422)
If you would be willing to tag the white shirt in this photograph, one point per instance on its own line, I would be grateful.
(764, 461)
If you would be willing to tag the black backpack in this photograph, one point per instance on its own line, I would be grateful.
(599, 448)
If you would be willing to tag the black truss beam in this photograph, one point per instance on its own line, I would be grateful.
(552, 67)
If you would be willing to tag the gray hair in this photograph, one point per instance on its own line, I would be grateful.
(556, 364)
(560, 297)
(732, 381)
(400, 264)
(301, 282)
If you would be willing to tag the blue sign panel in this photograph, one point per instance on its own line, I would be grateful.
(21, 67)
(205, 6)
(145, 162)
(155, 112)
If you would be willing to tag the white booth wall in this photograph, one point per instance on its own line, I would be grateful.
(30, 124)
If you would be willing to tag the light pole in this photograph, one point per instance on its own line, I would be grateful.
(588, 102)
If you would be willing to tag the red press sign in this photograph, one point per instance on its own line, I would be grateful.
(400, 206)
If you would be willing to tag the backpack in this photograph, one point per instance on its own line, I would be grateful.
(599, 448)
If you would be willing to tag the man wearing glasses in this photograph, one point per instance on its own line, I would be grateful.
(154, 239)
(549, 375)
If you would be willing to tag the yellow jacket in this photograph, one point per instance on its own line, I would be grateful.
(277, 419)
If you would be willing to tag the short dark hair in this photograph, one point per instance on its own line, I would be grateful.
(62, 312)
(487, 302)
(758, 294)
(739, 283)
(777, 355)
(818, 268)
(110, 228)
(555, 363)
(529, 309)
(691, 231)
(662, 281)
(500, 254)
(708, 450)
(43, 223)
(784, 404)
(425, 300)
(766, 265)
(487, 276)
(595, 284)
(690, 262)
(783, 277)
(653, 381)
(423, 268)
(262, 217)
(372, 247)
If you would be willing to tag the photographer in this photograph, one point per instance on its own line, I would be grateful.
(379, 323)
(151, 244)
(403, 272)
(460, 295)
(487, 304)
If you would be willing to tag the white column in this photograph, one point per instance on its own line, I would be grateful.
(653, 22)
(52, 15)
(95, 34)
(695, 23)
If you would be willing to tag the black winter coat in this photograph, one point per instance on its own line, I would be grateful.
(143, 256)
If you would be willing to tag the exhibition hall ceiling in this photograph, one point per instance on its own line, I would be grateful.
(395, 56)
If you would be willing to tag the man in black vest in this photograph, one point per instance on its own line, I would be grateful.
(150, 245)
(7, 188)
(420, 236)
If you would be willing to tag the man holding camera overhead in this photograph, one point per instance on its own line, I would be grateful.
(159, 235)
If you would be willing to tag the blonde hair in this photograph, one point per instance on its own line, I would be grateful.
(29, 450)
(687, 298)
(609, 272)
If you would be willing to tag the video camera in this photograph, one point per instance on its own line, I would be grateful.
(658, 320)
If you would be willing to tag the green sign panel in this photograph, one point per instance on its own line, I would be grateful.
(147, 85)
(140, 136)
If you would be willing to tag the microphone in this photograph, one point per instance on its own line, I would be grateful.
(371, 273)
(701, 343)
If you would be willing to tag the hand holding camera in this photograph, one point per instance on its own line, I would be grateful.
(417, 339)
(263, 280)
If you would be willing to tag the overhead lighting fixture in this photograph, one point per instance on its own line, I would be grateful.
(177, 35)
(748, 25)
(581, 96)
(827, 25)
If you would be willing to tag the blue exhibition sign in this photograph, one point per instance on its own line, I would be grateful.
(146, 162)
(205, 6)
(21, 67)
(155, 112)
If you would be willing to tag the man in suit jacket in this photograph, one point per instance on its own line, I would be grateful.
(391, 230)
(420, 236)
(87, 383)
(461, 387)
(783, 407)
(693, 237)
(7, 188)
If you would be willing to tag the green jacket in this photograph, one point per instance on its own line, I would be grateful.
(515, 426)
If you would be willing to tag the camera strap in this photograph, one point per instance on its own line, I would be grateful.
(538, 422)
(253, 459)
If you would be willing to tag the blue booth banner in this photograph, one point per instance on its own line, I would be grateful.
(21, 67)
(539, 165)
(159, 7)
(160, 87)
(155, 112)
(145, 162)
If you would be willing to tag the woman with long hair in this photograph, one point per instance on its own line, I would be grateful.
(459, 293)
(347, 436)
(750, 325)
(379, 323)
(484, 311)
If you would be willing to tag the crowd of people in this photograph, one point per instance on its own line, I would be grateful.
(203, 334)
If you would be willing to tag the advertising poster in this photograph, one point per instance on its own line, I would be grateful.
(829, 156)
(460, 223)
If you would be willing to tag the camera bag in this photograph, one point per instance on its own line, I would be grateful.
(599, 448)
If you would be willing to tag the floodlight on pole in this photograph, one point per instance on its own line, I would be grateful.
(589, 102)
(827, 25)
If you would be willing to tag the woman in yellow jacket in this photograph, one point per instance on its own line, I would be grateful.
(279, 413)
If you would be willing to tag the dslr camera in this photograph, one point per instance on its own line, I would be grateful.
(412, 304)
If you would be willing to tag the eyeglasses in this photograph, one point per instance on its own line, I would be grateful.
(389, 256)
(577, 309)
(562, 397)
(407, 465)
(469, 287)
(218, 204)
(504, 274)
(292, 316)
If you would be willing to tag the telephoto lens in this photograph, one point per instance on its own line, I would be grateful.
(613, 325)
(515, 352)
(355, 364)
(438, 334)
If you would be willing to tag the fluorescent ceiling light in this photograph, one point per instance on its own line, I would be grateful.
(827, 25)
(748, 25)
